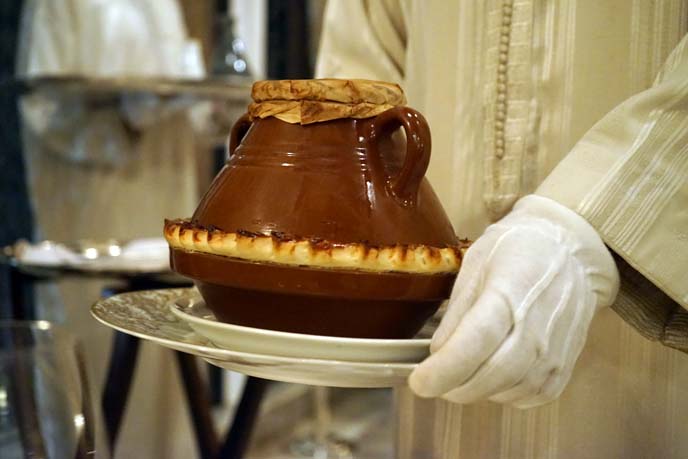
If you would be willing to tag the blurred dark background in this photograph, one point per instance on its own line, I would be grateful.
(16, 221)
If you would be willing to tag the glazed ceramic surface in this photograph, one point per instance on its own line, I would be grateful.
(343, 181)
(339, 181)
(314, 301)
(147, 315)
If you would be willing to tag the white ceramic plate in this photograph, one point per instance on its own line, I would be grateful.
(137, 256)
(193, 311)
(146, 314)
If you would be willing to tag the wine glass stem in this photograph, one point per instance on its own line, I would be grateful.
(323, 416)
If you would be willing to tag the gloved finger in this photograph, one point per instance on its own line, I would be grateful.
(466, 290)
(567, 344)
(476, 337)
(488, 265)
(476, 271)
(529, 386)
(509, 365)
(559, 376)
(551, 390)
(552, 353)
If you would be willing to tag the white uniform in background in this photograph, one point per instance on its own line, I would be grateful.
(510, 88)
(100, 172)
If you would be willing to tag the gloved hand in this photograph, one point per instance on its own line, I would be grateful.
(520, 311)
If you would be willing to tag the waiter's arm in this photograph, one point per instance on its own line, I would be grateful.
(628, 177)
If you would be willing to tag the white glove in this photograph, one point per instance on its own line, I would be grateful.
(520, 311)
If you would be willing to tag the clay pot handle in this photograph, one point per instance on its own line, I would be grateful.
(418, 144)
(237, 133)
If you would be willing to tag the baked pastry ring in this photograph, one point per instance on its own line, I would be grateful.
(282, 249)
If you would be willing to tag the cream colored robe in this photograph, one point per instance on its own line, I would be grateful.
(509, 89)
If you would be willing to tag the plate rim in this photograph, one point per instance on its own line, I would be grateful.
(265, 358)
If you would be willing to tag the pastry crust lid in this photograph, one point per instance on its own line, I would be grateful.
(330, 90)
(308, 111)
(278, 248)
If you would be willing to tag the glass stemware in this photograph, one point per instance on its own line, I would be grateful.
(45, 403)
(321, 442)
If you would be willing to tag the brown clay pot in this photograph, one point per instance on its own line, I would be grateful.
(341, 181)
(315, 301)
